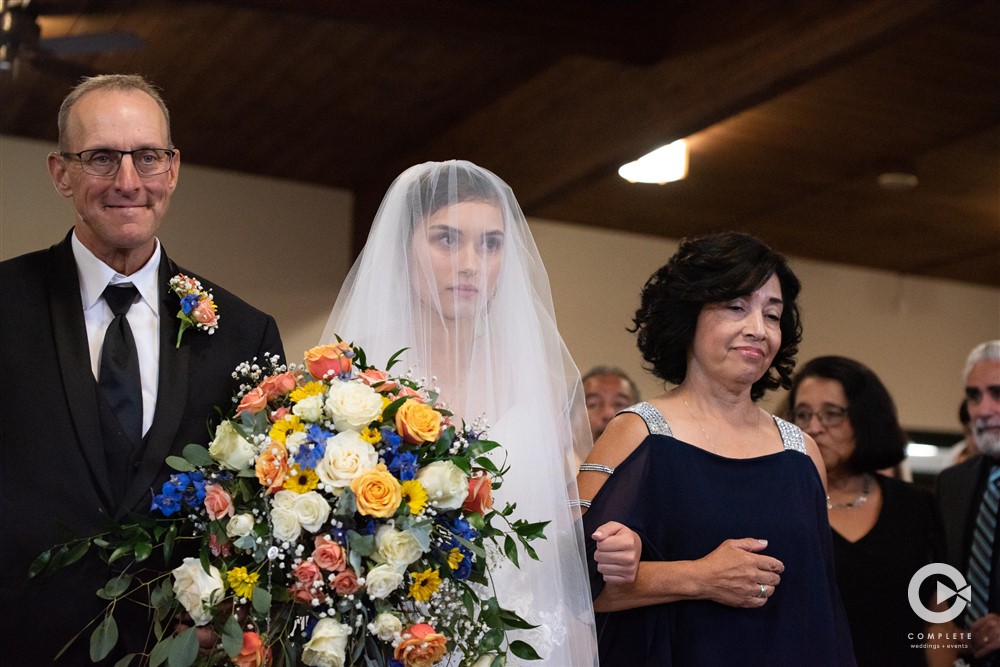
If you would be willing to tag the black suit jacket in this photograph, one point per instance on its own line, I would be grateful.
(960, 493)
(55, 481)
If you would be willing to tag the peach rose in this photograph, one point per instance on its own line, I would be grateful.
(279, 414)
(420, 646)
(278, 385)
(373, 377)
(377, 492)
(418, 422)
(346, 582)
(480, 496)
(218, 549)
(406, 392)
(272, 467)
(307, 576)
(205, 313)
(253, 402)
(328, 359)
(254, 653)
(329, 555)
(217, 502)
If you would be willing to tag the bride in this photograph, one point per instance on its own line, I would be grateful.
(450, 271)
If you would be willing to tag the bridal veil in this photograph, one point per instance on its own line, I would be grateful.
(450, 271)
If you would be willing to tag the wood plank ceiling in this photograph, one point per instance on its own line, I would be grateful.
(792, 109)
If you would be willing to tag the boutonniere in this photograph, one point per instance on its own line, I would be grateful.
(197, 307)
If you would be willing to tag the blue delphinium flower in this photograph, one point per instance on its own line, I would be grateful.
(166, 504)
(311, 452)
(189, 302)
(462, 528)
(403, 465)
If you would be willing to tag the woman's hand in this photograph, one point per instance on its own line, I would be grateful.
(618, 551)
(735, 575)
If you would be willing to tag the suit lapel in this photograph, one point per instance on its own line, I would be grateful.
(73, 353)
(171, 394)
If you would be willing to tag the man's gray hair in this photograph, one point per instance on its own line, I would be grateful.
(612, 370)
(988, 351)
(109, 82)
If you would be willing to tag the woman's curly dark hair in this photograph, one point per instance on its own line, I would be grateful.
(879, 440)
(711, 269)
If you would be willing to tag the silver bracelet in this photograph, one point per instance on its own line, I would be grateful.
(597, 467)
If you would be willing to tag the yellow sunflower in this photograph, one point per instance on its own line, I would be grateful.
(301, 481)
(424, 585)
(415, 496)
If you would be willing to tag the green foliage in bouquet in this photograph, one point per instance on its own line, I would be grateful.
(338, 517)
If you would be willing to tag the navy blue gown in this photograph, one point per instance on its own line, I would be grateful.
(684, 502)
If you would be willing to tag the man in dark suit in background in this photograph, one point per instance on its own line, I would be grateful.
(968, 496)
(72, 450)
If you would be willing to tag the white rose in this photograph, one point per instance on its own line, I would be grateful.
(328, 645)
(396, 547)
(346, 457)
(353, 405)
(382, 580)
(385, 626)
(197, 589)
(240, 526)
(485, 660)
(310, 408)
(447, 486)
(284, 520)
(311, 510)
(230, 449)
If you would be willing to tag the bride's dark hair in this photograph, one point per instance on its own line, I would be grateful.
(442, 186)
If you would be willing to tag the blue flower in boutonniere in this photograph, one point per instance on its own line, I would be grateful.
(197, 307)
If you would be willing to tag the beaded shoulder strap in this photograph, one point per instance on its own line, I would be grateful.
(655, 422)
(791, 435)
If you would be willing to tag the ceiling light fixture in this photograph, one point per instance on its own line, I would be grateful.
(665, 164)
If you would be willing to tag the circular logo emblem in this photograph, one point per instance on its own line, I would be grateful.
(960, 592)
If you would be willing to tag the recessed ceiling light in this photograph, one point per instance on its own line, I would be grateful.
(665, 164)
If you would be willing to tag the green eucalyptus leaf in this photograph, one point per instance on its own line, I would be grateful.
(119, 552)
(261, 600)
(115, 587)
(184, 649)
(142, 551)
(103, 639)
(160, 652)
(491, 640)
(198, 455)
(40, 563)
(476, 520)
(124, 662)
(524, 650)
(179, 463)
(77, 552)
(499, 661)
(232, 637)
(512, 621)
(364, 545)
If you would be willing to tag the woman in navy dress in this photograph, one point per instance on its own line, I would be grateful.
(727, 502)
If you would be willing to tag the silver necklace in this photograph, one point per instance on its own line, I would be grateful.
(866, 489)
(708, 440)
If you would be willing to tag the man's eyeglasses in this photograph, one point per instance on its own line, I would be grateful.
(107, 161)
(828, 417)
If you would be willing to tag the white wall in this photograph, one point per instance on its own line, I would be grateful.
(285, 247)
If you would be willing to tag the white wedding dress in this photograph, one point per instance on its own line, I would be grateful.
(450, 272)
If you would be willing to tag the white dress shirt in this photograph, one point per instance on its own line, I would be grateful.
(143, 317)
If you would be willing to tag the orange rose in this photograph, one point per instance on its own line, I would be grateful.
(376, 377)
(217, 502)
(418, 422)
(205, 313)
(308, 583)
(377, 492)
(278, 385)
(253, 653)
(420, 646)
(346, 582)
(480, 496)
(406, 392)
(253, 402)
(272, 467)
(329, 555)
(329, 359)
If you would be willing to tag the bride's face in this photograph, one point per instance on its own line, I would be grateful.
(459, 250)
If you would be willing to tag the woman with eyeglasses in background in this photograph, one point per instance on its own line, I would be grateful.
(884, 529)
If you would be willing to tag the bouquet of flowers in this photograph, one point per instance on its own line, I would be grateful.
(338, 517)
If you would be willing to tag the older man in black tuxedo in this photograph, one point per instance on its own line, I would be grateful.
(79, 438)
(969, 494)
